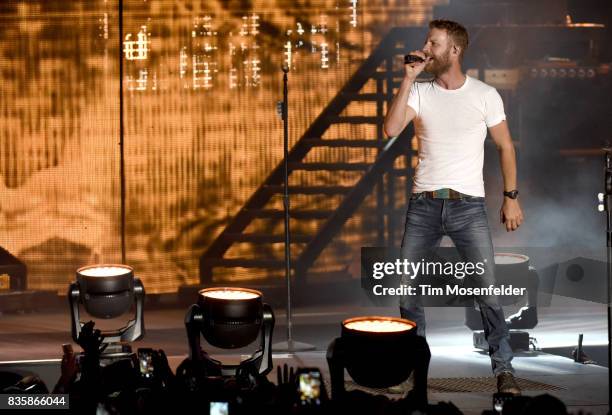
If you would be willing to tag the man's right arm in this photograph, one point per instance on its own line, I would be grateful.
(400, 113)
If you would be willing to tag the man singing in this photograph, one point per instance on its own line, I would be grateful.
(451, 115)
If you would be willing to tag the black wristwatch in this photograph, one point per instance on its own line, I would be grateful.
(512, 194)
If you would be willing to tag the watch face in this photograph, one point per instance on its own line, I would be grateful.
(512, 195)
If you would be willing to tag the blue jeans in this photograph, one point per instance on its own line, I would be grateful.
(465, 222)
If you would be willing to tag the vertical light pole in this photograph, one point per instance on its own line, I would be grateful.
(290, 345)
(607, 202)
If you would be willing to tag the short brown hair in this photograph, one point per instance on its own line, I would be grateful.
(455, 30)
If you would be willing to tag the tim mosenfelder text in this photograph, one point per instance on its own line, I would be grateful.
(426, 289)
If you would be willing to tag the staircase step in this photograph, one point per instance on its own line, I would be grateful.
(398, 211)
(263, 238)
(311, 190)
(355, 119)
(385, 74)
(365, 96)
(315, 214)
(401, 172)
(295, 214)
(244, 263)
(330, 166)
(342, 142)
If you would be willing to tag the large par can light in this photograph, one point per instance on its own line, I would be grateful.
(232, 316)
(229, 318)
(386, 340)
(379, 352)
(108, 291)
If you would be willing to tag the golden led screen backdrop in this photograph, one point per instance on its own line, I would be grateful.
(201, 80)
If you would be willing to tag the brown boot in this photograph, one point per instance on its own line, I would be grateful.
(507, 384)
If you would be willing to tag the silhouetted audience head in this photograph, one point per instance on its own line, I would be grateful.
(545, 404)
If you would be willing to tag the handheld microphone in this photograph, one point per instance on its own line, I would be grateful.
(408, 59)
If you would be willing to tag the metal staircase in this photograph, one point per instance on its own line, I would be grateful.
(378, 173)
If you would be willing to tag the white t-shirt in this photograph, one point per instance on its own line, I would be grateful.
(451, 127)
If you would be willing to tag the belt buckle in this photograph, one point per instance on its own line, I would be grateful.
(441, 194)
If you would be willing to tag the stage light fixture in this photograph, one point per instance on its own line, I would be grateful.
(230, 318)
(108, 291)
(379, 352)
(511, 269)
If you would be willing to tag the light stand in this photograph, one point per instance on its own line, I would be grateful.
(230, 318)
(107, 291)
(290, 345)
(608, 208)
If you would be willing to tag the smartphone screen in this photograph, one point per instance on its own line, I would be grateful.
(219, 408)
(145, 359)
(500, 399)
(310, 388)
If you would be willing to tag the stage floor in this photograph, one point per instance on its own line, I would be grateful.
(37, 338)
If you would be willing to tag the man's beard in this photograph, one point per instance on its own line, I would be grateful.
(439, 65)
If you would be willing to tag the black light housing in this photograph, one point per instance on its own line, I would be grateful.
(230, 318)
(108, 291)
(512, 269)
(379, 352)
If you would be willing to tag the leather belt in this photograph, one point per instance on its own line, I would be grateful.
(443, 194)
